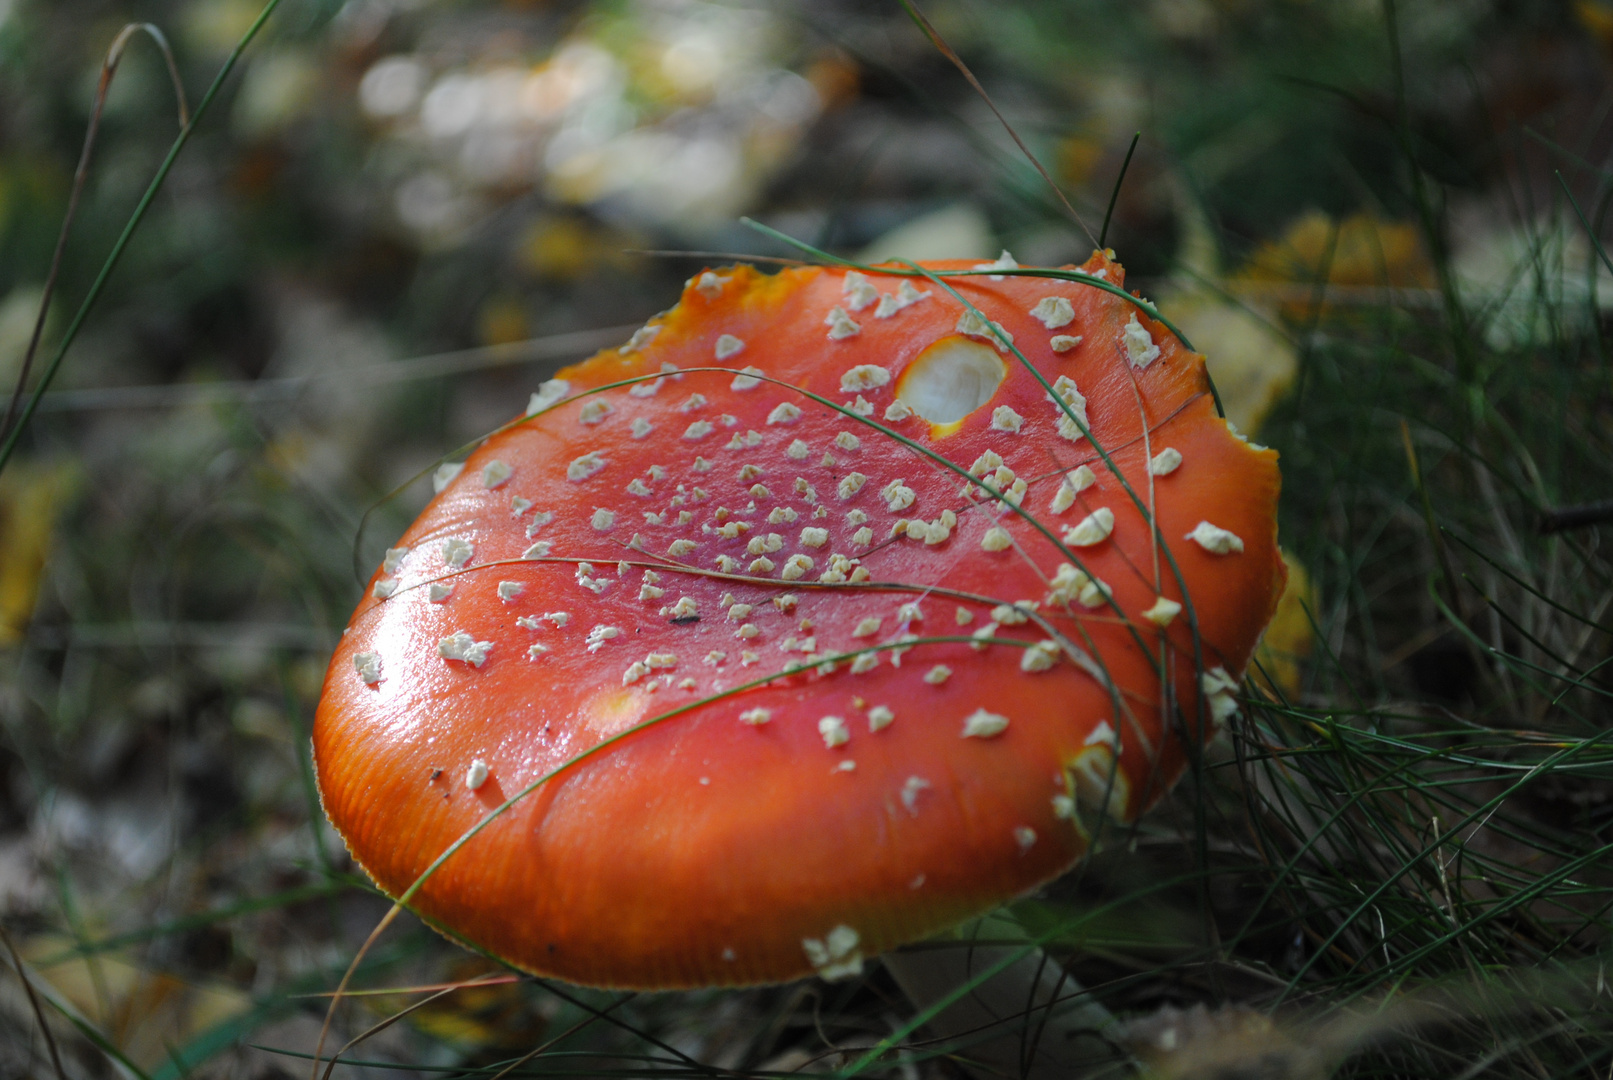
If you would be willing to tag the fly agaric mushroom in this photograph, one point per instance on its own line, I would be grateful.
(792, 690)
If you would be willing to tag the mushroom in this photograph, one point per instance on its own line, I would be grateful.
(824, 614)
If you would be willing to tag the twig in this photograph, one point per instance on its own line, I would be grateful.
(694, 253)
(551, 347)
(1555, 519)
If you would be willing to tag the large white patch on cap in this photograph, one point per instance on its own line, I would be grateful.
(951, 379)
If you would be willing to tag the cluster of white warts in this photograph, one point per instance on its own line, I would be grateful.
(993, 478)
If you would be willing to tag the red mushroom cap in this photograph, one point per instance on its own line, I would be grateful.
(638, 553)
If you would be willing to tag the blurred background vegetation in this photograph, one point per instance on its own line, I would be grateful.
(401, 214)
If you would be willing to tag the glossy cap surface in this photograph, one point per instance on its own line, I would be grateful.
(694, 559)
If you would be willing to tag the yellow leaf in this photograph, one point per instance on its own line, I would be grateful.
(1252, 362)
(1359, 252)
(143, 1012)
(1596, 16)
(1253, 365)
(32, 496)
(1289, 638)
(497, 1014)
(502, 321)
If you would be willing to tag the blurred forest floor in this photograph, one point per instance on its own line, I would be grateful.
(401, 215)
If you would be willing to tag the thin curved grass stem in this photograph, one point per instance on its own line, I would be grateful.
(545, 1047)
(347, 977)
(33, 1004)
(14, 434)
(109, 68)
(951, 55)
(1441, 839)
(381, 1025)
